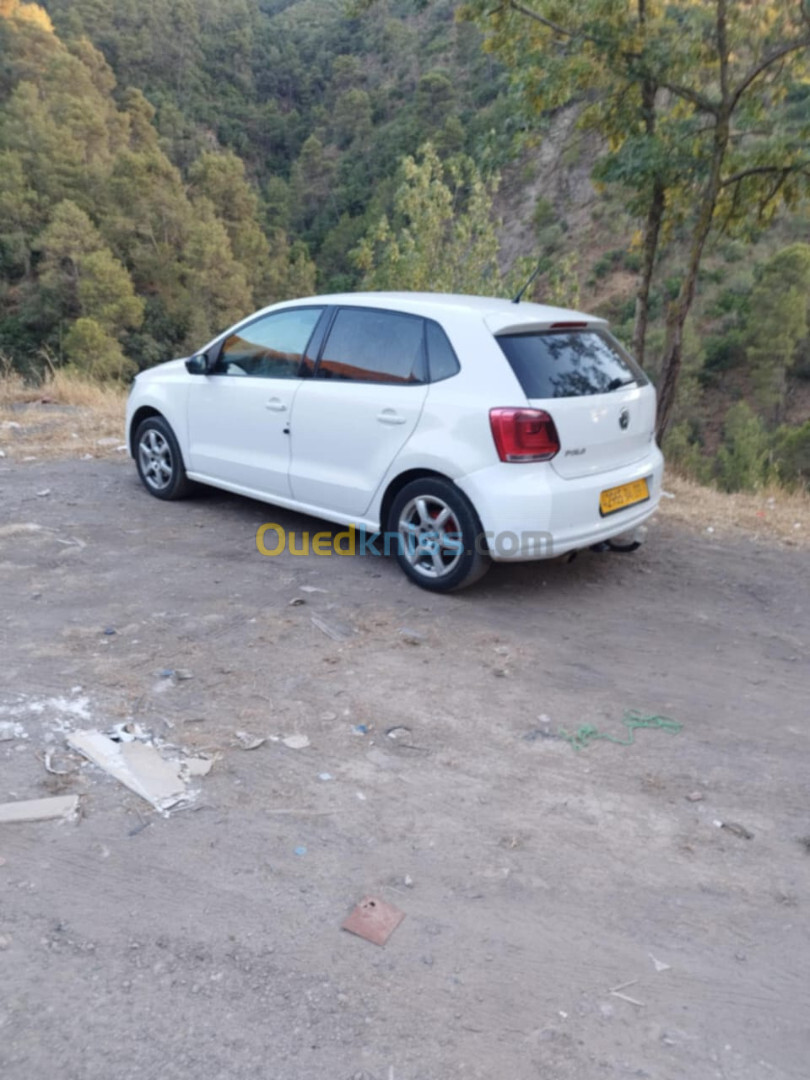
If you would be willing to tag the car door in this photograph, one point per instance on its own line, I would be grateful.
(354, 416)
(238, 415)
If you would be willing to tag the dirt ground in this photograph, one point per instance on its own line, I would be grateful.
(535, 879)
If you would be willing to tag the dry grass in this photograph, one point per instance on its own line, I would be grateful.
(770, 514)
(65, 417)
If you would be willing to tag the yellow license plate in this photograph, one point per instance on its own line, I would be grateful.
(619, 498)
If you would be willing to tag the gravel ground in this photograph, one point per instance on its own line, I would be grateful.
(535, 879)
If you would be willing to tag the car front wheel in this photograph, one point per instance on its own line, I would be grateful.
(439, 536)
(160, 464)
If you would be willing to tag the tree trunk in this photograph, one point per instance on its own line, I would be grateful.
(652, 230)
(679, 309)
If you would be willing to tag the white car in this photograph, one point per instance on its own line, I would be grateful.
(450, 430)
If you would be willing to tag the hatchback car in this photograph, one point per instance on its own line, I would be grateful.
(451, 430)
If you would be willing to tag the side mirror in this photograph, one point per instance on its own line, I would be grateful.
(198, 365)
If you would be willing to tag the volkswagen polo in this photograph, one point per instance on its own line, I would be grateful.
(464, 428)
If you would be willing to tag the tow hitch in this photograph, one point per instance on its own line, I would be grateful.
(625, 543)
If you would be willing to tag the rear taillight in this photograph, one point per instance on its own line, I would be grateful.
(524, 434)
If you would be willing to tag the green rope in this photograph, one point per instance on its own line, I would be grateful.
(632, 720)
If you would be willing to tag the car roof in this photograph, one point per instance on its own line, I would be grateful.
(499, 314)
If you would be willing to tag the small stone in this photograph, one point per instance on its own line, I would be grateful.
(501, 673)
(296, 742)
(297, 601)
(183, 674)
(408, 881)
(45, 491)
(695, 796)
(109, 631)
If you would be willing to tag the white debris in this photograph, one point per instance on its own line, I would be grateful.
(247, 741)
(59, 806)
(196, 766)
(659, 964)
(296, 742)
(10, 730)
(136, 765)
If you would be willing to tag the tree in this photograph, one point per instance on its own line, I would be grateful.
(440, 237)
(83, 281)
(689, 97)
(95, 353)
(743, 461)
(221, 179)
(216, 290)
(778, 323)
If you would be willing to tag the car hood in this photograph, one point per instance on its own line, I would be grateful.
(169, 368)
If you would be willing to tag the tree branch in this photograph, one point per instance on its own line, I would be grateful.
(561, 30)
(688, 94)
(763, 65)
(765, 170)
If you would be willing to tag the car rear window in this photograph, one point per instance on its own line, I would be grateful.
(569, 363)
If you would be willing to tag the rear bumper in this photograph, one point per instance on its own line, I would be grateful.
(529, 512)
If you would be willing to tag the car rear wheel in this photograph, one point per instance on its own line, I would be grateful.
(439, 535)
(160, 464)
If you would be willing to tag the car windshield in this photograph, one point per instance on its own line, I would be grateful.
(569, 363)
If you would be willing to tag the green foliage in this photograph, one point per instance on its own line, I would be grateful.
(440, 237)
(791, 452)
(778, 322)
(744, 460)
(107, 253)
(685, 454)
(94, 352)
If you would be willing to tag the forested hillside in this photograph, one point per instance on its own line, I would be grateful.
(168, 166)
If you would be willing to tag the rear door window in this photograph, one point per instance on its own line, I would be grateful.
(366, 345)
(569, 363)
(443, 361)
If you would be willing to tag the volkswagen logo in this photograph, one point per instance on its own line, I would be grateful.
(624, 419)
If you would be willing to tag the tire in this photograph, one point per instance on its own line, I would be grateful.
(159, 461)
(438, 535)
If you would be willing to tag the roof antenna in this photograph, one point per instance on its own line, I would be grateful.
(536, 271)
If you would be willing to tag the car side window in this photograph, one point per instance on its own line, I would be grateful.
(270, 347)
(366, 345)
(442, 360)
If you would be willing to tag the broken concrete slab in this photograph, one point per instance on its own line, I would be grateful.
(57, 806)
(136, 765)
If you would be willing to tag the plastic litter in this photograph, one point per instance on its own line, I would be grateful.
(632, 720)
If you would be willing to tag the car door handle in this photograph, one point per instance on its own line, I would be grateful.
(390, 416)
(275, 405)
